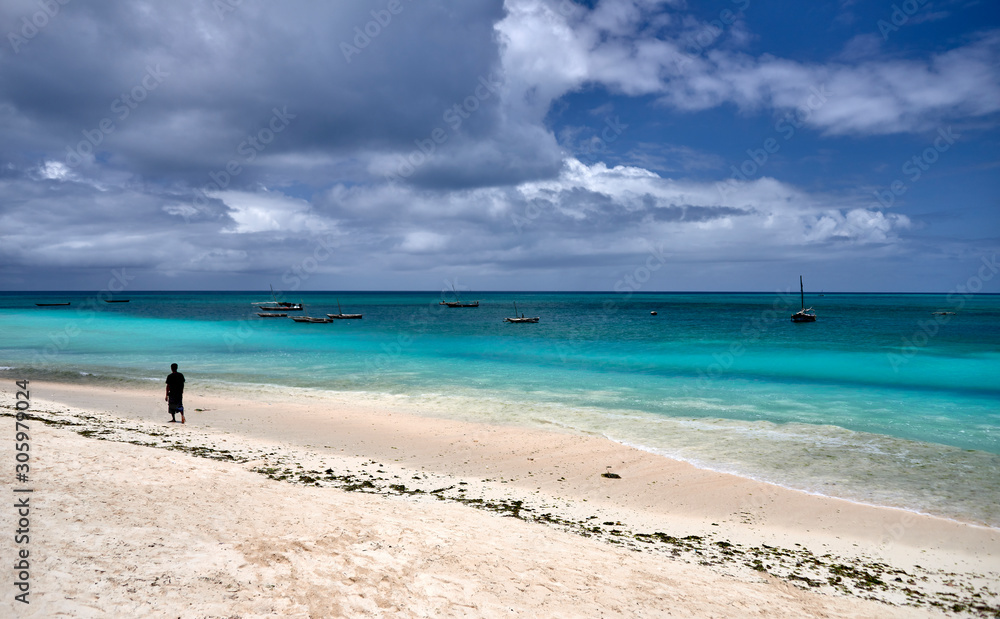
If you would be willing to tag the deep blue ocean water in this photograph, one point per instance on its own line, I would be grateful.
(879, 401)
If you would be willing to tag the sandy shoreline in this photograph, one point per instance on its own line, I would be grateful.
(682, 535)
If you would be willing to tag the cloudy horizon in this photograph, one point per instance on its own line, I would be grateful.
(503, 145)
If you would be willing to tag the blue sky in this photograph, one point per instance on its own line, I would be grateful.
(518, 144)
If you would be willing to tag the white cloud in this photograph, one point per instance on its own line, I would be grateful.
(266, 211)
(55, 170)
(423, 241)
(547, 53)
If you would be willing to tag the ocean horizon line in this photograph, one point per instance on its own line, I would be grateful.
(473, 292)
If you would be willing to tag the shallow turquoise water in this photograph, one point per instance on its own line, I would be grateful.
(879, 400)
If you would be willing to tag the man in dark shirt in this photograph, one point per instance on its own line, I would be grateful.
(175, 394)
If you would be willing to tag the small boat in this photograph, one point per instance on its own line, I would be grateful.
(653, 313)
(311, 319)
(522, 319)
(803, 314)
(271, 315)
(50, 304)
(342, 316)
(116, 300)
(458, 301)
(278, 306)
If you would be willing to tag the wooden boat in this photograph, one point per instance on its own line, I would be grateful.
(271, 315)
(522, 319)
(50, 304)
(803, 314)
(311, 319)
(458, 301)
(342, 315)
(116, 300)
(278, 306)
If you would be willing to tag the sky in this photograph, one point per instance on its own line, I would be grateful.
(612, 145)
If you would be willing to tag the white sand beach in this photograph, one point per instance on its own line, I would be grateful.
(335, 506)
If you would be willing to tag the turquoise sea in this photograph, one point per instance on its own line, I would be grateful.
(879, 401)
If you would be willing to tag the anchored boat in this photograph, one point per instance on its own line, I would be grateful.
(803, 314)
(342, 315)
(522, 319)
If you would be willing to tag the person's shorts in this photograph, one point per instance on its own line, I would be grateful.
(175, 407)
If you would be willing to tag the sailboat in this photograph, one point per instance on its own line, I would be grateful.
(458, 301)
(803, 314)
(522, 319)
(278, 306)
(341, 315)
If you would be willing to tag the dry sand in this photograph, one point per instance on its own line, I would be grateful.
(243, 512)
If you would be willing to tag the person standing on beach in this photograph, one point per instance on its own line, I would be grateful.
(175, 394)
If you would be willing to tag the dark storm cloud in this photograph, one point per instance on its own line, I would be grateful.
(219, 74)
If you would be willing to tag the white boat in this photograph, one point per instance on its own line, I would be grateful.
(522, 319)
(277, 306)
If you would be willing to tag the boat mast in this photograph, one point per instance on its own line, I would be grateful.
(339, 311)
(802, 293)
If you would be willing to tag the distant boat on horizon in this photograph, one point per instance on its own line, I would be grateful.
(51, 304)
(278, 306)
(116, 300)
(803, 314)
(458, 301)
